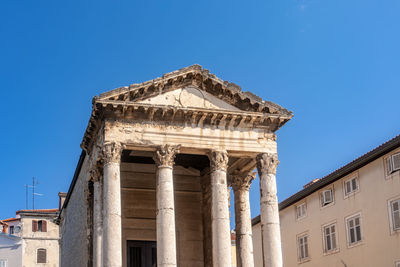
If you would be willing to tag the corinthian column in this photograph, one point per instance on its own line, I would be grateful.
(270, 229)
(221, 237)
(244, 242)
(112, 235)
(166, 236)
(97, 216)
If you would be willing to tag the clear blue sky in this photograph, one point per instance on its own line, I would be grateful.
(335, 64)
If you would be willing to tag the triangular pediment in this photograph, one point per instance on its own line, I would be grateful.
(196, 77)
(189, 97)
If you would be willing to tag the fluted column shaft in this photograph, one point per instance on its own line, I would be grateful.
(270, 227)
(166, 235)
(221, 239)
(112, 234)
(244, 237)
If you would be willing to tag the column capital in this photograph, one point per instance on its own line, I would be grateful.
(111, 152)
(241, 181)
(267, 163)
(165, 155)
(218, 160)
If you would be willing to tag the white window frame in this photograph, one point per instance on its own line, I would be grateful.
(390, 201)
(347, 221)
(323, 200)
(397, 264)
(302, 207)
(389, 164)
(299, 237)
(353, 191)
(3, 262)
(324, 239)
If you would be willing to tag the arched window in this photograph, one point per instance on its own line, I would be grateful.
(41, 255)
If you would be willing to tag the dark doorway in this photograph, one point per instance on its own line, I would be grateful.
(142, 254)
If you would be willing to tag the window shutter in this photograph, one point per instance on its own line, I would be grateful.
(44, 226)
(348, 188)
(41, 255)
(396, 162)
(34, 226)
(388, 165)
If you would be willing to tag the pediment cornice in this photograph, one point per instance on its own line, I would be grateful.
(200, 78)
(124, 104)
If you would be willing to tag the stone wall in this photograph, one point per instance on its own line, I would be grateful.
(73, 226)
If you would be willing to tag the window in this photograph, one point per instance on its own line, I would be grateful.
(41, 255)
(301, 211)
(397, 264)
(392, 163)
(39, 226)
(302, 243)
(326, 197)
(350, 186)
(395, 214)
(330, 238)
(3, 263)
(354, 230)
(11, 231)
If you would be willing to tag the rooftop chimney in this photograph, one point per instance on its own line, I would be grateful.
(62, 196)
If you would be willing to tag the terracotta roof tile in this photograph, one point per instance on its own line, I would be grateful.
(11, 219)
(38, 211)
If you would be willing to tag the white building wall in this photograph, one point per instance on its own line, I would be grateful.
(11, 250)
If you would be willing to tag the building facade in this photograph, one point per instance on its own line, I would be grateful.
(36, 238)
(10, 250)
(152, 183)
(349, 218)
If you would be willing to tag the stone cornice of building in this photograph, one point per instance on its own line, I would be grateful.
(122, 103)
(354, 165)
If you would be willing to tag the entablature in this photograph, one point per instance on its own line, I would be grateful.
(146, 136)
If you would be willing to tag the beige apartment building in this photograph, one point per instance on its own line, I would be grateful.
(349, 218)
(36, 235)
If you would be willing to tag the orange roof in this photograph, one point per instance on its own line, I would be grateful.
(11, 219)
(38, 211)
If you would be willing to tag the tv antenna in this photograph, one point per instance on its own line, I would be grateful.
(35, 182)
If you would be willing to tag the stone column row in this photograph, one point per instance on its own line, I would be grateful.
(108, 243)
(270, 227)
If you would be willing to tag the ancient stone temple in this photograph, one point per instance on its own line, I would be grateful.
(152, 185)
